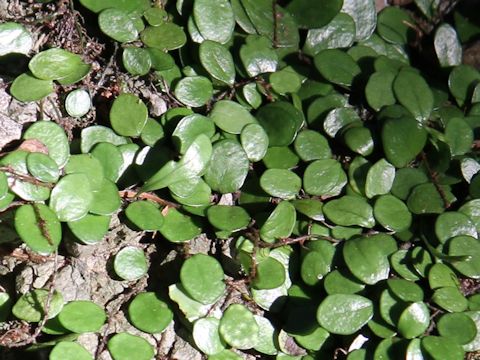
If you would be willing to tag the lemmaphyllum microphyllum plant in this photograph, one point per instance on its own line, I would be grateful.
(323, 152)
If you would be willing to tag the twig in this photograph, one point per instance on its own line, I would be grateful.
(434, 177)
(26, 178)
(131, 194)
(32, 339)
(121, 299)
(276, 16)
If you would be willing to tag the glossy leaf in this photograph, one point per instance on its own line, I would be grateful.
(130, 263)
(344, 314)
(218, 61)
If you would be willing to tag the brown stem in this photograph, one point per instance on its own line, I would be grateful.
(434, 178)
(276, 16)
(27, 178)
(131, 194)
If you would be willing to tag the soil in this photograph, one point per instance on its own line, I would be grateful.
(84, 272)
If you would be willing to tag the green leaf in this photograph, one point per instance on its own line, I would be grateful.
(451, 224)
(281, 120)
(207, 337)
(82, 316)
(199, 194)
(42, 167)
(124, 346)
(379, 89)
(53, 137)
(439, 347)
(309, 207)
(257, 55)
(441, 275)
(71, 197)
(450, 299)
(270, 273)
(38, 227)
(379, 178)
(280, 183)
(280, 157)
(111, 160)
(366, 260)
(148, 313)
(324, 178)
(194, 91)
(339, 118)
(93, 135)
(167, 36)
(161, 60)
(395, 25)
(468, 246)
(311, 16)
(26, 88)
(311, 145)
(79, 73)
(152, 132)
(15, 38)
(130, 263)
(192, 309)
(202, 278)
(285, 81)
(88, 165)
(401, 262)
(137, 61)
(191, 165)
(462, 81)
(125, 5)
(118, 25)
(214, 19)
(405, 180)
(392, 213)
(238, 327)
(280, 223)
(78, 103)
(338, 33)
(66, 350)
(231, 116)
(31, 306)
(349, 210)
(321, 106)
(91, 229)
(189, 128)
(344, 314)
(54, 64)
(254, 141)
(474, 345)
(402, 140)
(17, 161)
(266, 339)
(414, 320)
(145, 215)
(128, 115)
(156, 16)
(228, 218)
(447, 46)
(336, 66)
(178, 227)
(413, 92)
(459, 136)
(317, 263)
(218, 61)
(457, 326)
(260, 13)
(228, 167)
(364, 14)
(425, 199)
